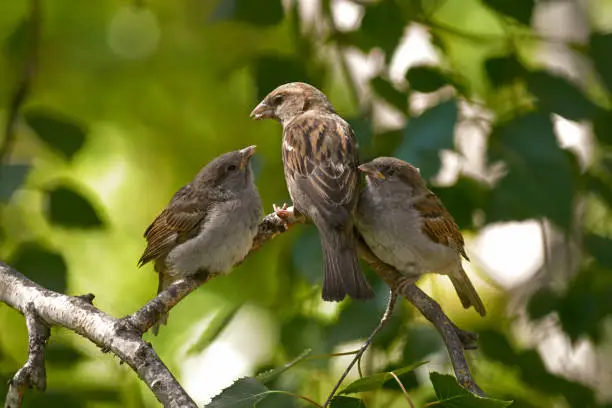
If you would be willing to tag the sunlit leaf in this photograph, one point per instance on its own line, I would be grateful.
(377, 381)
(60, 132)
(520, 10)
(43, 266)
(601, 44)
(425, 78)
(425, 136)
(452, 395)
(390, 94)
(558, 95)
(248, 11)
(12, 176)
(68, 208)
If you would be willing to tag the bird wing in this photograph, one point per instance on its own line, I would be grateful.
(438, 224)
(177, 222)
(320, 155)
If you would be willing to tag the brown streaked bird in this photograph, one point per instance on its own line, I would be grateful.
(320, 162)
(209, 224)
(407, 226)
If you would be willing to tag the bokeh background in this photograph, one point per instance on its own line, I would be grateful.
(504, 105)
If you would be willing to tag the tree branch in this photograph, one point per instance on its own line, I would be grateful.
(32, 374)
(80, 316)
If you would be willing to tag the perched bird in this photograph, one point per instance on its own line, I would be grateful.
(407, 226)
(209, 224)
(320, 162)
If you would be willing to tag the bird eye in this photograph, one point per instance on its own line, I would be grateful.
(391, 172)
(231, 167)
(278, 99)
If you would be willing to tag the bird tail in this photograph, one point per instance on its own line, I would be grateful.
(343, 274)
(163, 282)
(466, 291)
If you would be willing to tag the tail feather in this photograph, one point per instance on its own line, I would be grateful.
(467, 292)
(343, 274)
(163, 282)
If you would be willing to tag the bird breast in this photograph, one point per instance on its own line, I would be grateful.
(224, 239)
(392, 228)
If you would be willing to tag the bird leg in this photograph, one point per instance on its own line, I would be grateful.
(288, 214)
(381, 324)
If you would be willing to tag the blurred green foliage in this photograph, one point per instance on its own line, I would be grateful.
(130, 99)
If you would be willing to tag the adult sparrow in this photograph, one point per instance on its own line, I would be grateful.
(320, 162)
(407, 227)
(209, 224)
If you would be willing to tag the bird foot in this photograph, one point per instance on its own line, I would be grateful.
(402, 283)
(286, 213)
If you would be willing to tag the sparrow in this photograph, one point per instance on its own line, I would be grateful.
(407, 226)
(209, 224)
(320, 163)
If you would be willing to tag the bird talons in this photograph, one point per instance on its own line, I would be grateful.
(286, 213)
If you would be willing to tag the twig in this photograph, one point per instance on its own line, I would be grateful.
(403, 389)
(456, 340)
(24, 83)
(33, 373)
(383, 322)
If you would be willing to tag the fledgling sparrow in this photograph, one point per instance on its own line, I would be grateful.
(209, 224)
(407, 226)
(320, 162)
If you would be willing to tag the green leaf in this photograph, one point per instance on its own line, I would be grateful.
(389, 93)
(600, 248)
(602, 127)
(463, 199)
(341, 401)
(244, 393)
(452, 395)
(70, 209)
(382, 26)
(57, 130)
(426, 135)
(426, 78)
(12, 176)
(421, 341)
(504, 70)
(537, 169)
(219, 322)
(542, 303)
(270, 71)
(41, 265)
(520, 10)
(250, 12)
(377, 381)
(273, 374)
(558, 95)
(601, 44)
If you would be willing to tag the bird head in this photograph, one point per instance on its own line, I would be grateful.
(290, 100)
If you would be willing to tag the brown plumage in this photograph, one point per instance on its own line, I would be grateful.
(320, 162)
(407, 226)
(209, 224)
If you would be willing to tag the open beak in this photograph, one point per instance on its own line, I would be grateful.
(371, 171)
(262, 111)
(246, 153)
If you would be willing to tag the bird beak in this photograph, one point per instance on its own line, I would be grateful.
(262, 111)
(246, 153)
(370, 171)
